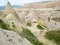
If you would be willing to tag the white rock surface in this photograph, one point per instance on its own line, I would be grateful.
(12, 38)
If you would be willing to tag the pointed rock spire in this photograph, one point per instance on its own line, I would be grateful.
(8, 6)
(9, 9)
(10, 13)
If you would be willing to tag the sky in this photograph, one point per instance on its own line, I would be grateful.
(18, 2)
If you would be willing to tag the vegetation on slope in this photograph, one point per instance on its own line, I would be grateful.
(3, 25)
(54, 35)
(9, 26)
(41, 25)
(41, 22)
(49, 19)
(29, 24)
(57, 10)
(30, 36)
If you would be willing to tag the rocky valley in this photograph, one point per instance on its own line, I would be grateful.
(31, 24)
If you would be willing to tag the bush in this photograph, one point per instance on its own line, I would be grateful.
(54, 35)
(29, 24)
(30, 36)
(49, 19)
(3, 25)
(40, 27)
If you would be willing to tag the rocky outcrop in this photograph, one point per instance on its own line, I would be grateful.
(8, 10)
(10, 14)
(11, 38)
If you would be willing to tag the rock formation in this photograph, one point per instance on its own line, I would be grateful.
(8, 10)
(11, 38)
(10, 13)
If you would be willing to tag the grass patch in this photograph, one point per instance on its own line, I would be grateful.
(30, 36)
(54, 36)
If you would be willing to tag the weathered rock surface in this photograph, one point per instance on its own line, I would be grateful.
(11, 38)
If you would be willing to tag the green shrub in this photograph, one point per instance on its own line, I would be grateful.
(54, 35)
(29, 24)
(40, 27)
(49, 19)
(30, 36)
(3, 25)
